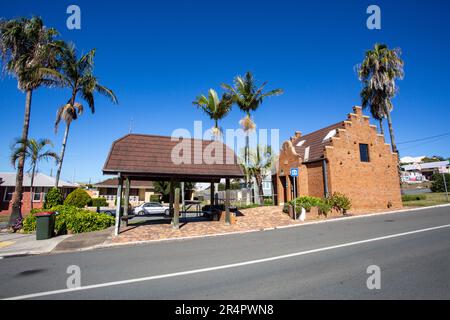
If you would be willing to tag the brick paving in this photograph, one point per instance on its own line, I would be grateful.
(246, 220)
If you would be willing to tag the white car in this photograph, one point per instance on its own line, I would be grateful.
(151, 208)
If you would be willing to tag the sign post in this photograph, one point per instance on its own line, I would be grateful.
(294, 174)
(443, 170)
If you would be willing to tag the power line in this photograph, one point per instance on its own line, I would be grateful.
(427, 138)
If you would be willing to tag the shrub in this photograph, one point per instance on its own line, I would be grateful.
(325, 206)
(155, 198)
(437, 182)
(413, 197)
(305, 202)
(98, 202)
(78, 198)
(53, 198)
(72, 218)
(340, 202)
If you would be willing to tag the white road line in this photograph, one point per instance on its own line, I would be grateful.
(227, 266)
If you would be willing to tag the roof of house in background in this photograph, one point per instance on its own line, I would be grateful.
(426, 165)
(316, 142)
(135, 184)
(151, 156)
(40, 180)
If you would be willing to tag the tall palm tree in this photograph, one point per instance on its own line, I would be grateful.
(215, 108)
(248, 97)
(35, 151)
(77, 75)
(375, 110)
(260, 162)
(27, 52)
(378, 72)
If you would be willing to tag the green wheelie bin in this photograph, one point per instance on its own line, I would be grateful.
(45, 225)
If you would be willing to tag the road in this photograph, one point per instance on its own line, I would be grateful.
(317, 261)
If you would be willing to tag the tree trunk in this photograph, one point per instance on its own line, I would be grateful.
(259, 181)
(16, 212)
(61, 158)
(381, 126)
(391, 132)
(31, 186)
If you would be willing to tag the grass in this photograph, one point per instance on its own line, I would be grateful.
(430, 200)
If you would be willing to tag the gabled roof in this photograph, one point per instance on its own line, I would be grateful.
(135, 184)
(40, 180)
(152, 157)
(316, 142)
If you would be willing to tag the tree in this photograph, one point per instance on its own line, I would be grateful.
(35, 151)
(216, 109)
(28, 53)
(248, 97)
(163, 187)
(77, 75)
(378, 72)
(260, 162)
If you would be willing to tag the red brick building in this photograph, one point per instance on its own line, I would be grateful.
(42, 183)
(349, 157)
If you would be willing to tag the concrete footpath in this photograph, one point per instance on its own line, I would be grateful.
(19, 244)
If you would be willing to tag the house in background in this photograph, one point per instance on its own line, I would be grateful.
(349, 157)
(140, 191)
(419, 172)
(41, 185)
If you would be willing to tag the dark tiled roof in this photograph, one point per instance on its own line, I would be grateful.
(151, 156)
(315, 142)
(113, 182)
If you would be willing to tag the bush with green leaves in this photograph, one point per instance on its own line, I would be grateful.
(413, 197)
(340, 202)
(155, 198)
(53, 198)
(78, 198)
(70, 218)
(437, 182)
(98, 202)
(305, 202)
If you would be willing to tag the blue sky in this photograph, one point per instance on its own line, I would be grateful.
(159, 55)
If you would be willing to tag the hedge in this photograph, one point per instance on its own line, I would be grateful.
(53, 198)
(71, 218)
(413, 197)
(78, 198)
(98, 202)
(437, 184)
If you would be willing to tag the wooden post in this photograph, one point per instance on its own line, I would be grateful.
(212, 194)
(126, 200)
(171, 188)
(118, 204)
(176, 215)
(227, 201)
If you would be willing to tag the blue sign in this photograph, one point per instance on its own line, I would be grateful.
(294, 172)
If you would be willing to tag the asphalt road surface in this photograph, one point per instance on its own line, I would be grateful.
(317, 261)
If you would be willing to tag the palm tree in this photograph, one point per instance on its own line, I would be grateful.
(260, 162)
(248, 97)
(378, 72)
(77, 74)
(27, 51)
(216, 109)
(35, 151)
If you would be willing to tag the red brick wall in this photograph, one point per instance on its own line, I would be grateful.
(370, 185)
(6, 206)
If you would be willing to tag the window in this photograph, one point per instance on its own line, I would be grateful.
(8, 194)
(37, 194)
(364, 152)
